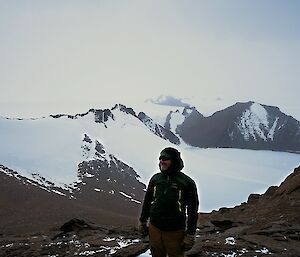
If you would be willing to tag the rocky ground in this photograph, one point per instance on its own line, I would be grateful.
(267, 225)
(74, 238)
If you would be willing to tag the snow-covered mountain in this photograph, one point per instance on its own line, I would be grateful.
(60, 142)
(61, 160)
(244, 125)
(106, 153)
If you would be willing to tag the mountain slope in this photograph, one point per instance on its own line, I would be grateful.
(107, 192)
(55, 145)
(244, 125)
(266, 224)
(62, 169)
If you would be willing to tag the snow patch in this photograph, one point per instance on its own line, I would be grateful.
(254, 123)
(57, 192)
(263, 251)
(176, 120)
(272, 129)
(108, 239)
(129, 197)
(88, 175)
(230, 241)
(228, 255)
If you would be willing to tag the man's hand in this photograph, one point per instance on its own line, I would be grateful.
(188, 242)
(143, 228)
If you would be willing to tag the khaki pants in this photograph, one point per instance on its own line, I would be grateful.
(166, 243)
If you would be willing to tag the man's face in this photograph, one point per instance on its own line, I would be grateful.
(164, 163)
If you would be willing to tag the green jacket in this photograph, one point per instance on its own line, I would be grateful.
(169, 199)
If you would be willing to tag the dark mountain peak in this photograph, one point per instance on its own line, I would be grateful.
(105, 179)
(248, 103)
(251, 105)
(142, 116)
(248, 125)
(190, 109)
(236, 108)
(101, 116)
(125, 109)
(99, 148)
(76, 116)
(157, 129)
(57, 116)
(272, 107)
(104, 115)
(181, 115)
(87, 138)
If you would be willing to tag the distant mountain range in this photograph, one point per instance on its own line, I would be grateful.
(81, 165)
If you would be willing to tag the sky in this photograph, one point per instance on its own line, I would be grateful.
(70, 56)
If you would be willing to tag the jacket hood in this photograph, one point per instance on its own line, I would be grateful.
(175, 156)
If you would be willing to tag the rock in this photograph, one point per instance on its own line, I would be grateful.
(253, 198)
(291, 183)
(75, 225)
(266, 224)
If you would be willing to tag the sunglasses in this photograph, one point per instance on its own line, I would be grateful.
(163, 158)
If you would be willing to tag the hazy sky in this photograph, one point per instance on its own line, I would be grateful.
(63, 56)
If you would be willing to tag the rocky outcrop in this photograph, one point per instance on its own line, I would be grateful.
(266, 224)
(158, 129)
(76, 237)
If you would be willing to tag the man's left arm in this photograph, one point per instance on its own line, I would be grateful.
(192, 216)
(192, 209)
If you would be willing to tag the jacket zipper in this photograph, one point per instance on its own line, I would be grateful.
(179, 201)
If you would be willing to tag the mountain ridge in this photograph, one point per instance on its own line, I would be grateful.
(246, 125)
(56, 148)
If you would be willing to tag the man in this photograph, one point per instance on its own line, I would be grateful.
(171, 203)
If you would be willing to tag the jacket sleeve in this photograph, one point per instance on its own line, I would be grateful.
(192, 209)
(147, 203)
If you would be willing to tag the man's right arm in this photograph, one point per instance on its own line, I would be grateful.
(143, 226)
(147, 203)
